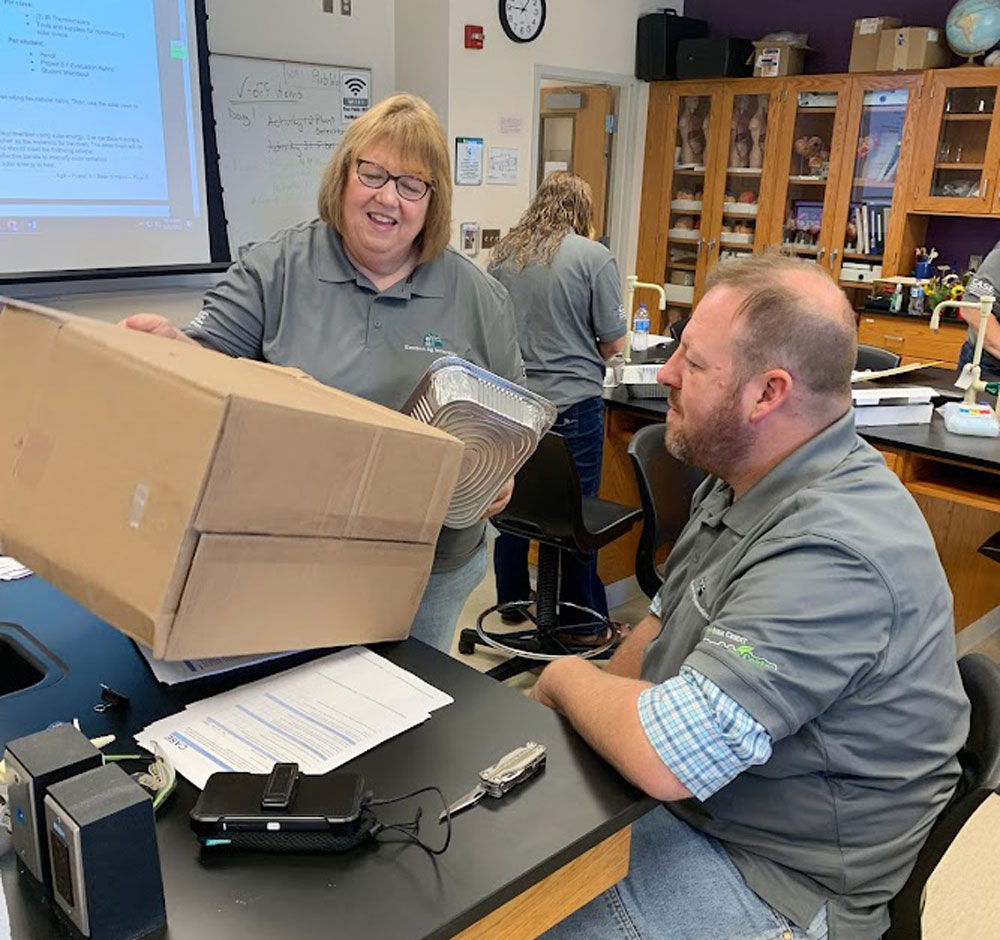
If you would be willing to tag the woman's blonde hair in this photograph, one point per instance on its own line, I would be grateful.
(409, 125)
(562, 204)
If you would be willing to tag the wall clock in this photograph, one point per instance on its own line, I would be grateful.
(522, 20)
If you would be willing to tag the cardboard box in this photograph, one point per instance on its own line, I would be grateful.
(206, 505)
(912, 47)
(776, 58)
(865, 41)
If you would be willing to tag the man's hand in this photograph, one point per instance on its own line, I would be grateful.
(604, 710)
(156, 325)
(502, 498)
(539, 694)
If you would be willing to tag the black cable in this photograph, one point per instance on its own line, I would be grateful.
(410, 829)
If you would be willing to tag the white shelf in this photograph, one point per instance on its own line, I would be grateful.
(740, 208)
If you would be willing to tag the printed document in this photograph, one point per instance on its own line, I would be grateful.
(319, 715)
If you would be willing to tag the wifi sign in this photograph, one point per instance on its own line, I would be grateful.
(355, 85)
(355, 94)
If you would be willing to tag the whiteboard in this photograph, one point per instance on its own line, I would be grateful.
(277, 124)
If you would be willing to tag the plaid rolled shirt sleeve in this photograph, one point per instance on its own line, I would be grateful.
(703, 736)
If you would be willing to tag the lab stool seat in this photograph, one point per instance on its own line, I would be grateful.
(548, 506)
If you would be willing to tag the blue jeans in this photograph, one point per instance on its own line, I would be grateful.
(989, 368)
(681, 885)
(443, 600)
(582, 425)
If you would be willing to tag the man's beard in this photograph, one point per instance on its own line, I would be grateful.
(718, 445)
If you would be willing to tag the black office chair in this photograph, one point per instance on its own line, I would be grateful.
(666, 486)
(548, 506)
(980, 762)
(676, 329)
(875, 358)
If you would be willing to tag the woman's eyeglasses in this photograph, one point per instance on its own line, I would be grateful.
(411, 188)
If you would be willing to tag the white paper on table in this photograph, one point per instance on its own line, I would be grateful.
(319, 715)
(184, 670)
(11, 569)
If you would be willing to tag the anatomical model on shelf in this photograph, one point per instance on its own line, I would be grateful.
(814, 156)
(691, 135)
(758, 132)
(739, 133)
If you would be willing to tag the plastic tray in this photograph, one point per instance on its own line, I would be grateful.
(642, 390)
(499, 422)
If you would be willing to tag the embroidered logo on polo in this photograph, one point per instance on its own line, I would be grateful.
(738, 644)
(432, 344)
(728, 640)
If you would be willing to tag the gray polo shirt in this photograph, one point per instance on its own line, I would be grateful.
(563, 309)
(986, 280)
(296, 300)
(818, 602)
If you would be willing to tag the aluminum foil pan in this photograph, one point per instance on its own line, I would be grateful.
(499, 422)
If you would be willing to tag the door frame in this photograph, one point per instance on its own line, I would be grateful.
(625, 177)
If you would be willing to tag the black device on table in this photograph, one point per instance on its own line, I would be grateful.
(284, 811)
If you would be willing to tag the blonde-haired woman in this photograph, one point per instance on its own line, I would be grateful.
(365, 297)
(568, 301)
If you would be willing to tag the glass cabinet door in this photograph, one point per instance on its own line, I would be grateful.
(961, 151)
(737, 204)
(956, 175)
(811, 154)
(866, 208)
(687, 213)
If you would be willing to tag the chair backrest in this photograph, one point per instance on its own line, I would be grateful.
(980, 763)
(547, 502)
(676, 329)
(666, 486)
(875, 358)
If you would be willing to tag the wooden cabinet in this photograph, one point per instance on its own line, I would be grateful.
(787, 163)
(913, 339)
(741, 193)
(869, 225)
(958, 154)
(682, 131)
(814, 110)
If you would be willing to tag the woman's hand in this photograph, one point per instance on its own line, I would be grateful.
(501, 500)
(156, 325)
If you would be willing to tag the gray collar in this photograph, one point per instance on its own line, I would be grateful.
(330, 262)
(813, 459)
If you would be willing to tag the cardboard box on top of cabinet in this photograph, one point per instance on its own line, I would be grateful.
(912, 47)
(211, 506)
(865, 41)
(774, 57)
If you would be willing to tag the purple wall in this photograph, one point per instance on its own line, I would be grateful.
(956, 238)
(829, 25)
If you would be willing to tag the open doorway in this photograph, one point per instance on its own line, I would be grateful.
(576, 122)
(591, 122)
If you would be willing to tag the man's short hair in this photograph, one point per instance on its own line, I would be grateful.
(784, 322)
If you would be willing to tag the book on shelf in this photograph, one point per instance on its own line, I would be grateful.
(871, 220)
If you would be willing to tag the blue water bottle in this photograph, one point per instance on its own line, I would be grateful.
(640, 329)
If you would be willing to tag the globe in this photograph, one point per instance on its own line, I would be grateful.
(973, 26)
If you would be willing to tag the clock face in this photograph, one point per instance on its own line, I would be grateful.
(522, 20)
